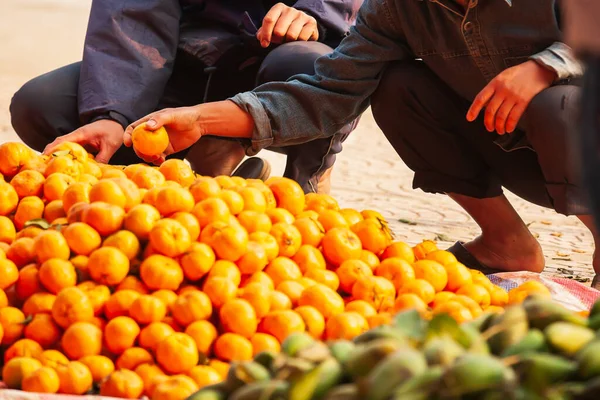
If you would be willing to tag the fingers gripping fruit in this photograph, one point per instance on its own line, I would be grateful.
(150, 143)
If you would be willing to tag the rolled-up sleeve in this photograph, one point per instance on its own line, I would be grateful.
(129, 52)
(560, 58)
(310, 107)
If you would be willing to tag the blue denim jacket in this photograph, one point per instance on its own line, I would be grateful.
(466, 49)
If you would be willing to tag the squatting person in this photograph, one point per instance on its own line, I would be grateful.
(144, 55)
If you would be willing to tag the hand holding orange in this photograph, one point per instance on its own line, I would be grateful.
(148, 142)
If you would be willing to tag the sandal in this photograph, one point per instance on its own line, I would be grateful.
(465, 257)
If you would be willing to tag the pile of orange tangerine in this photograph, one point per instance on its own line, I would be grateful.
(145, 280)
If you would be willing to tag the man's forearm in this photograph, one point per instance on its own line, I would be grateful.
(279, 114)
(225, 119)
(560, 58)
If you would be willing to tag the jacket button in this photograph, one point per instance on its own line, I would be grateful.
(468, 27)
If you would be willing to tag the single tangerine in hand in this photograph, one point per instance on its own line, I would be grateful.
(150, 143)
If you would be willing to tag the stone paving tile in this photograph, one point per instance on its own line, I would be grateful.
(40, 35)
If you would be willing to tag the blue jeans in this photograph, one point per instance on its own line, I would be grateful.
(46, 107)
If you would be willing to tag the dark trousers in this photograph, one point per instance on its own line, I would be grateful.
(46, 107)
(425, 121)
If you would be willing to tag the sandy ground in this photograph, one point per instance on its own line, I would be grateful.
(39, 35)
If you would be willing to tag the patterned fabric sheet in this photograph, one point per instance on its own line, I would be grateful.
(571, 294)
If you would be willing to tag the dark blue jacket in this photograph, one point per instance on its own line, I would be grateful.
(130, 46)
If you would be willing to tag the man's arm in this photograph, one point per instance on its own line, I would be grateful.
(306, 107)
(128, 56)
(507, 96)
(560, 59)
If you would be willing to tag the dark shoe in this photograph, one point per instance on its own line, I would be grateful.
(464, 257)
(253, 168)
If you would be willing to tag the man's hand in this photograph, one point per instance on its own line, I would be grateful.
(182, 125)
(286, 24)
(507, 96)
(103, 137)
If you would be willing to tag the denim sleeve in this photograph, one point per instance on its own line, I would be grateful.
(560, 58)
(309, 107)
(128, 56)
(334, 16)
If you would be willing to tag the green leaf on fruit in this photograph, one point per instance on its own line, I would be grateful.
(39, 222)
(61, 153)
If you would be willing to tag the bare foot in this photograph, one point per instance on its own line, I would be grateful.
(517, 253)
(505, 243)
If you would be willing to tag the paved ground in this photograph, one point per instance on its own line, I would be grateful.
(39, 35)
